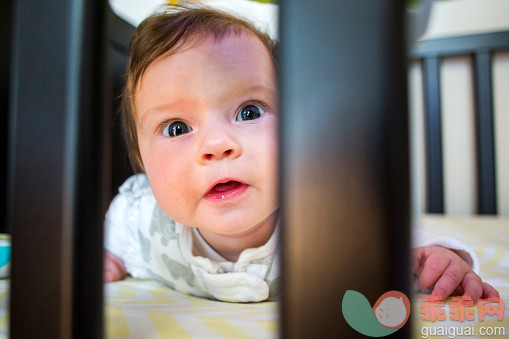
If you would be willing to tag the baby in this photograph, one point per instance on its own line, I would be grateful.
(200, 120)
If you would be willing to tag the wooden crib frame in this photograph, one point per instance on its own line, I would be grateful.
(430, 52)
(57, 199)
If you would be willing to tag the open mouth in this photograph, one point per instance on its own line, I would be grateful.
(226, 190)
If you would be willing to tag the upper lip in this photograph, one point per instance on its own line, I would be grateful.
(222, 181)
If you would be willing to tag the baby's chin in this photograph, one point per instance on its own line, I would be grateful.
(235, 225)
(231, 228)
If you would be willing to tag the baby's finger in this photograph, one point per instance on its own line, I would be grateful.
(448, 282)
(489, 291)
(459, 290)
(472, 284)
(433, 269)
(416, 259)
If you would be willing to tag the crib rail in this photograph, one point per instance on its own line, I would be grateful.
(431, 53)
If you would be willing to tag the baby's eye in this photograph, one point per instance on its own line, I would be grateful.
(176, 128)
(250, 112)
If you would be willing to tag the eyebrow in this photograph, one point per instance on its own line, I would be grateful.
(171, 104)
(153, 110)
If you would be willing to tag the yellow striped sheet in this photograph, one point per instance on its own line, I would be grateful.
(166, 326)
(149, 309)
(223, 328)
(116, 324)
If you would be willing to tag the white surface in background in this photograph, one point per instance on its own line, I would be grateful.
(501, 121)
(263, 15)
(417, 142)
(458, 136)
(134, 11)
(463, 17)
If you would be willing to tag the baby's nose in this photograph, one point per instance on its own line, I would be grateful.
(218, 155)
(218, 146)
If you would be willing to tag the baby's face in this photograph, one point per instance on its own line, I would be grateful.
(207, 131)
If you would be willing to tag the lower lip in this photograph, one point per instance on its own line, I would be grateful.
(227, 195)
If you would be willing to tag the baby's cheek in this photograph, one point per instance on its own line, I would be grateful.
(164, 188)
(172, 206)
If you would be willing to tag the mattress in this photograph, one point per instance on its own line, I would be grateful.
(148, 309)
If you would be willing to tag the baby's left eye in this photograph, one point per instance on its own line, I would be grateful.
(250, 112)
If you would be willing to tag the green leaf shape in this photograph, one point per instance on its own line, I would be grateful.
(358, 313)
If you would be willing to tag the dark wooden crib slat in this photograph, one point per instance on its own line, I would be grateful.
(433, 120)
(58, 117)
(486, 177)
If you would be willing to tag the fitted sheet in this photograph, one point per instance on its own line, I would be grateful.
(135, 307)
(149, 309)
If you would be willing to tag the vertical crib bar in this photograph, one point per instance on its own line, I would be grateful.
(486, 177)
(43, 114)
(55, 189)
(93, 172)
(344, 160)
(6, 7)
(434, 161)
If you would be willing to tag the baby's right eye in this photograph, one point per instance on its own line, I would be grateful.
(176, 128)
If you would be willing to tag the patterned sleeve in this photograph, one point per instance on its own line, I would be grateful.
(125, 216)
(115, 226)
(128, 217)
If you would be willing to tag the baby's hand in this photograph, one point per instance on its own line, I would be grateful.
(448, 273)
(114, 268)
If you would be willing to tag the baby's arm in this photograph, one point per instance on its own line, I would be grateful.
(445, 271)
(114, 241)
(122, 253)
(114, 268)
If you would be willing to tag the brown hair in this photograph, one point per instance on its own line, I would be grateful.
(165, 32)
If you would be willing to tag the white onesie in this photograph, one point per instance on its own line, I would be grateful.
(153, 246)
